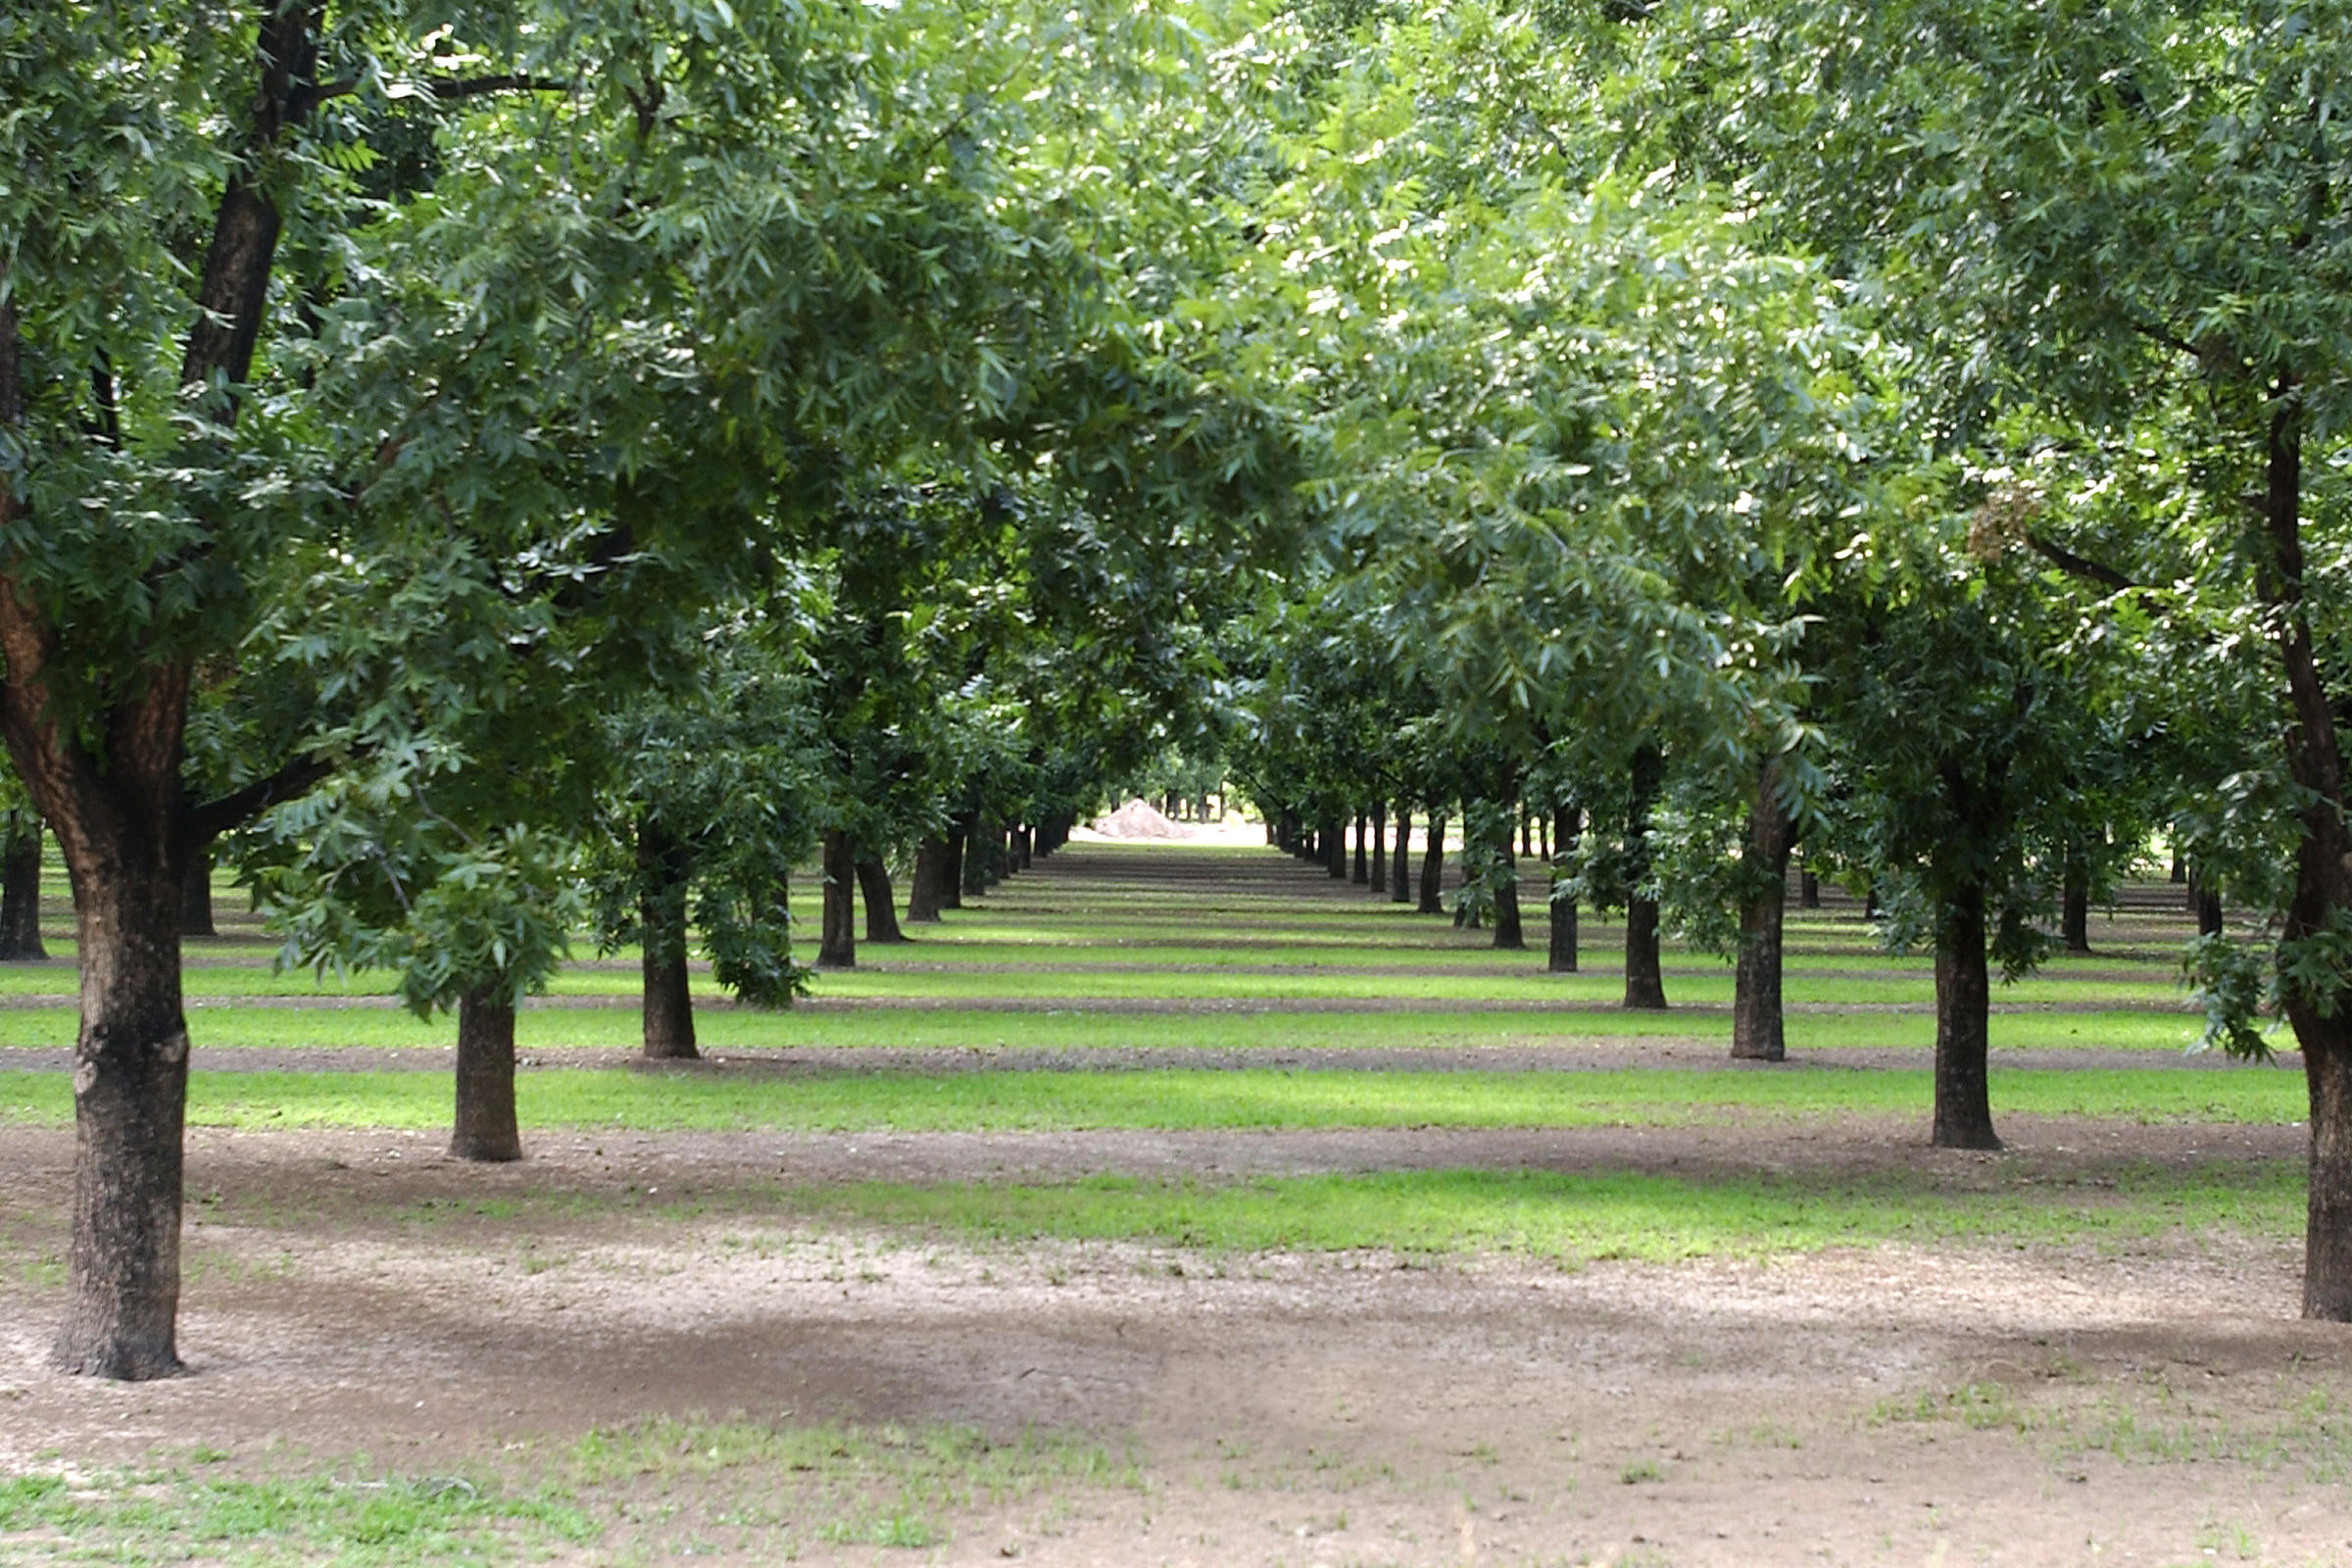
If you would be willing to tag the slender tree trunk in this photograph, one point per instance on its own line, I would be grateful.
(1567, 823)
(196, 896)
(1335, 848)
(1380, 846)
(668, 1025)
(926, 889)
(20, 895)
(1808, 889)
(1024, 849)
(1644, 976)
(2323, 890)
(1400, 881)
(485, 1127)
(1963, 1008)
(837, 943)
(881, 908)
(1362, 875)
(1433, 868)
(2073, 904)
(1757, 1025)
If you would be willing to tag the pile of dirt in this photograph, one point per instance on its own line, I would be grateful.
(1139, 819)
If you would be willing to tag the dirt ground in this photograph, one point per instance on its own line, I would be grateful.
(1987, 1404)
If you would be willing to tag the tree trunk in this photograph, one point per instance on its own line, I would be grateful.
(2206, 904)
(1567, 821)
(1963, 1008)
(881, 905)
(131, 1079)
(1808, 889)
(484, 1125)
(2323, 890)
(1334, 840)
(196, 896)
(927, 887)
(1644, 979)
(20, 895)
(1400, 881)
(668, 1026)
(950, 886)
(1757, 1025)
(1433, 868)
(1362, 875)
(837, 943)
(1510, 934)
(1380, 846)
(2073, 904)
(1024, 852)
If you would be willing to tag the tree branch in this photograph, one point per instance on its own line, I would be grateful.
(297, 778)
(2074, 565)
(454, 89)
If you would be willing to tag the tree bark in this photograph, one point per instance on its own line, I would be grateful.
(2073, 904)
(1433, 868)
(20, 895)
(1510, 934)
(196, 896)
(668, 1025)
(1963, 1008)
(881, 910)
(1380, 846)
(1023, 849)
(1756, 1024)
(1808, 889)
(1567, 822)
(1400, 881)
(1362, 875)
(1334, 840)
(927, 890)
(2206, 904)
(837, 941)
(1644, 978)
(950, 886)
(483, 1128)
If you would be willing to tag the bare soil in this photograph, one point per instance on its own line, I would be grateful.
(355, 1291)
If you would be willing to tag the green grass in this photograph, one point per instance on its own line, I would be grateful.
(133, 1516)
(1574, 1219)
(984, 1101)
(659, 1488)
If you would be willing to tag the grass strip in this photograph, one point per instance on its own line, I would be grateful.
(1166, 1100)
(1575, 1219)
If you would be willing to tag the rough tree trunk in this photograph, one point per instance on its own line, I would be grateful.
(1362, 875)
(1433, 868)
(1644, 979)
(1567, 821)
(1400, 881)
(1380, 846)
(2073, 904)
(668, 1027)
(1756, 1032)
(837, 941)
(927, 887)
(1963, 1008)
(881, 905)
(196, 896)
(483, 1127)
(21, 896)
(130, 1080)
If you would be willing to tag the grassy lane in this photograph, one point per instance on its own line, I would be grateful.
(1038, 1101)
